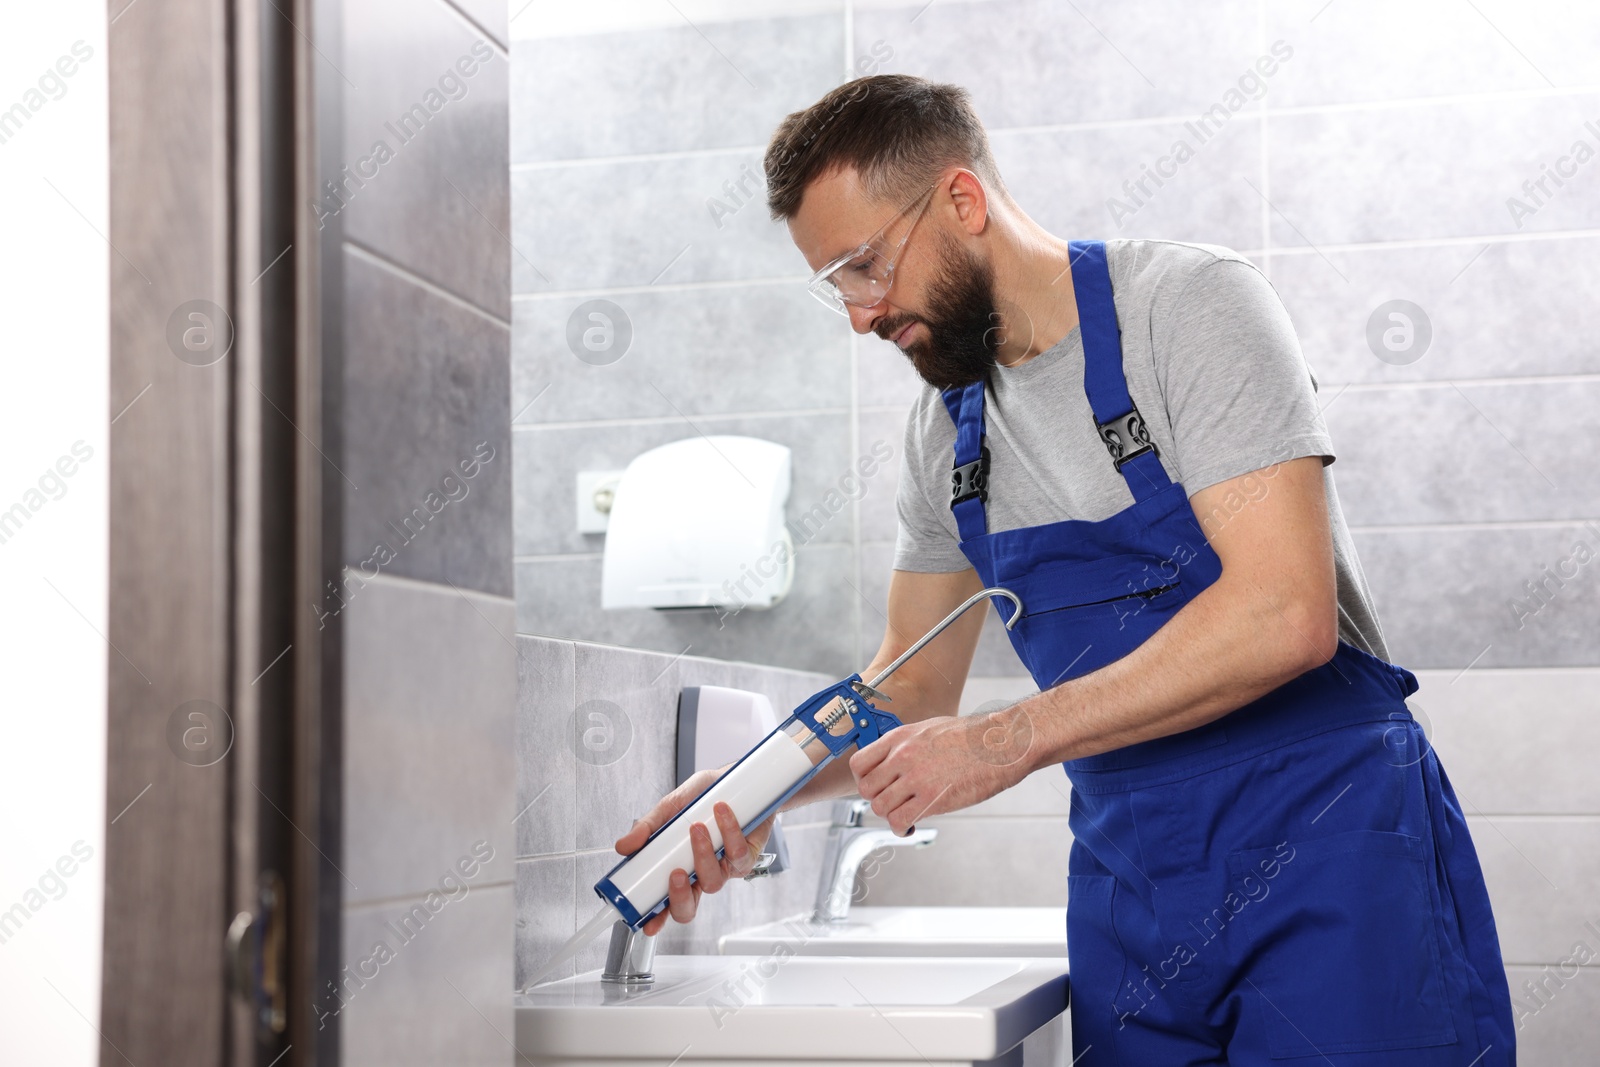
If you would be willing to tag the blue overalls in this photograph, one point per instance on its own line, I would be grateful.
(1292, 881)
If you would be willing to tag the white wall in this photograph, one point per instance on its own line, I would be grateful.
(53, 382)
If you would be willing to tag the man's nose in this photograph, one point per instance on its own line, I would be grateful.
(861, 319)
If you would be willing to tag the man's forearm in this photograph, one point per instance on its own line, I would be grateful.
(1225, 648)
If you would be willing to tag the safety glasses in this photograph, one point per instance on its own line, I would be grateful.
(862, 276)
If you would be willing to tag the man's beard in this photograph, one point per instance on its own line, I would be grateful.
(962, 322)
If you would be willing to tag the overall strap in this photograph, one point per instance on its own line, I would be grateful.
(969, 479)
(1121, 427)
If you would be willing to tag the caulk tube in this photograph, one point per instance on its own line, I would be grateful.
(754, 787)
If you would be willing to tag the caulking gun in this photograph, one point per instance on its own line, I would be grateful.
(823, 727)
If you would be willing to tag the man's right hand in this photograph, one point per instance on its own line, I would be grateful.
(738, 857)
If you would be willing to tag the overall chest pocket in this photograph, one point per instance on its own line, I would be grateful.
(1078, 616)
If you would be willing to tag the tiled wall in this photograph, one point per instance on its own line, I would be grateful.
(1376, 165)
(576, 796)
(1362, 173)
(620, 141)
(429, 660)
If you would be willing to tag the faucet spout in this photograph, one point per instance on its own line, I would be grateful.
(850, 843)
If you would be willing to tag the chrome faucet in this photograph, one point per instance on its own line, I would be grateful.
(629, 957)
(848, 844)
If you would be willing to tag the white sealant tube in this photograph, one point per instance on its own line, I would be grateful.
(749, 788)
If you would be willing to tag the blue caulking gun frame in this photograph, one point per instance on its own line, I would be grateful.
(768, 775)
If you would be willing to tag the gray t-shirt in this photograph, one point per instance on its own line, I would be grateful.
(1214, 367)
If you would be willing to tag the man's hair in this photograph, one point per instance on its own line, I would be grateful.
(895, 130)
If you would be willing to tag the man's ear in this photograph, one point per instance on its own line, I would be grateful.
(970, 200)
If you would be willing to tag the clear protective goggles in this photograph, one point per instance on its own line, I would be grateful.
(862, 276)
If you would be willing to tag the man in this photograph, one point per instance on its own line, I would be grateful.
(1267, 861)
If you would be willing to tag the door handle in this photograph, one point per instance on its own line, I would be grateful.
(255, 957)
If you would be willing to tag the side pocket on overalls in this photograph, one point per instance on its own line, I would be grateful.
(1347, 946)
(1095, 961)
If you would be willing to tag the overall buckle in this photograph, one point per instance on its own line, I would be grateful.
(1125, 437)
(968, 480)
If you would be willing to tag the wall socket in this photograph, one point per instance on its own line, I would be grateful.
(595, 492)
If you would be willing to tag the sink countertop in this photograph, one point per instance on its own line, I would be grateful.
(782, 1005)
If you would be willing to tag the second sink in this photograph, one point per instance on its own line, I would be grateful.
(913, 931)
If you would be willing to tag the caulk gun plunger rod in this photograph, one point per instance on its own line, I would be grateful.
(982, 594)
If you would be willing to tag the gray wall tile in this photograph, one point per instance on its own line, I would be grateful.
(429, 668)
(1491, 309)
(793, 892)
(722, 350)
(1370, 50)
(400, 54)
(426, 382)
(442, 997)
(643, 222)
(1045, 792)
(1424, 170)
(1556, 1022)
(995, 657)
(1446, 596)
(430, 688)
(1468, 453)
(711, 85)
(1040, 63)
(549, 458)
(1065, 180)
(1540, 872)
(1517, 742)
(884, 376)
(627, 701)
(589, 868)
(881, 433)
(964, 866)
(547, 791)
(811, 630)
(877, 564)
(547, 913)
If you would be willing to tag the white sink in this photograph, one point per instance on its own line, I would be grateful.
(873, 931)
(783, 1006)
